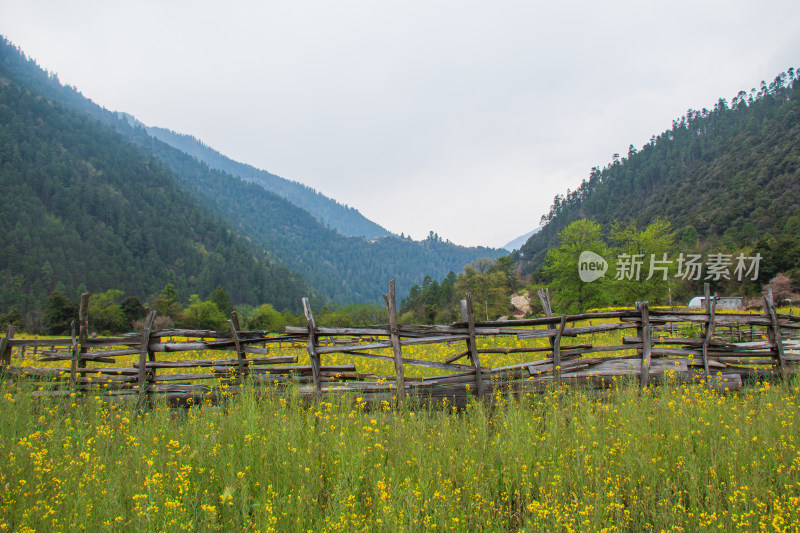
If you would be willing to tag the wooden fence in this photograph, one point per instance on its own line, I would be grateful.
(722, 349)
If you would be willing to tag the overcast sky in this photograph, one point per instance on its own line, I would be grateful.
(459, 117)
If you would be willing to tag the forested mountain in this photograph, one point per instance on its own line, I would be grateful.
(83, 209)
(727, 174)
(345, 220)
(343, 269)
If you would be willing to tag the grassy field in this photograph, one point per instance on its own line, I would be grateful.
(672, 458)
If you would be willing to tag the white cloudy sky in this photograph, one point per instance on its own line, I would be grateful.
(460, 117)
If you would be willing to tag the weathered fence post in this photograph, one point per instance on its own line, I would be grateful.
(144, 356)
(711, 309)
(76, 354)
(556, 344)
(83, 320)
(468, 316)
(644, 333)
(706, 303)
(83, 333)
(544, 297)
(312, 345)
(394, 332)
(5, 348)
(774, 333)
(233, 322)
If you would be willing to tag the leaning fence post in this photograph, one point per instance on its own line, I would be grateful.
(144, 355)
(233, 322)
(544, 297)
(468, 316)
(311, 345)
(712, 309)
(774, 332)
(394, 332)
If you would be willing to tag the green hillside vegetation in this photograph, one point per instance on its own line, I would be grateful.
(643, 264)
(111, 312)
(721, 186)
(342, 269)
(83, 209)
(489, 282)
(725, 178)
(343, 219)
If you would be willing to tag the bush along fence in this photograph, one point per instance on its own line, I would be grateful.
(721, 349)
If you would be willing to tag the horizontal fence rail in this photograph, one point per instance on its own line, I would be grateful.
(721, 349)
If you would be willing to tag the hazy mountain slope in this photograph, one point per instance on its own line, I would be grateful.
(344, 269)
(341, 218)
(515, 244)
(83, 208)
(730, 172)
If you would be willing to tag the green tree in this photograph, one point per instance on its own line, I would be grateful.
(133, 309)
(223, 301)
(652, 246)
(749, 233)
(266, 318)
(203, 315)
(506, 265)
(431, 303)
(168, 303)
(792, 227)
(781, 254)
(59, 313)
(570, 293)
(13, 317)
(105, 312)
(490, 288)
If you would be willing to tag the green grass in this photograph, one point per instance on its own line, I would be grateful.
(672, 458)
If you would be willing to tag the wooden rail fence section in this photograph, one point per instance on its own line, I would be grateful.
(709, 347)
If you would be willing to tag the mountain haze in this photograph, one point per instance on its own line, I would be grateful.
(345, 269)
(83, 209)
(244, 216)
(347, 221)
(515, 244)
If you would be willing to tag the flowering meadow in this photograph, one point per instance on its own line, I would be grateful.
(673, 457)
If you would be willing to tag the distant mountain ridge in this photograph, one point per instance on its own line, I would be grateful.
(515, 244)
(346, 220)
(84, 209)
(340, 269)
